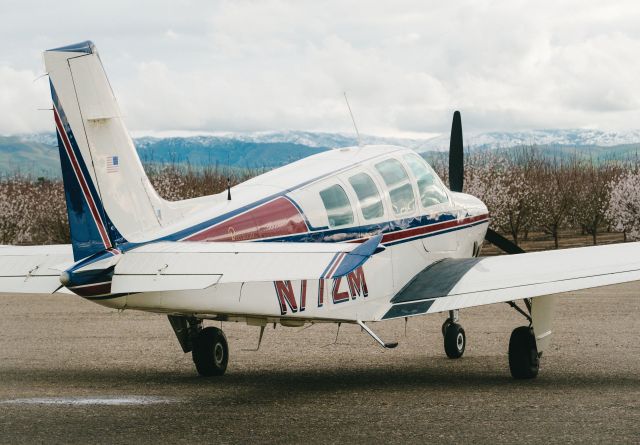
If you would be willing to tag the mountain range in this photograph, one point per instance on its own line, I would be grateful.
(37, 154)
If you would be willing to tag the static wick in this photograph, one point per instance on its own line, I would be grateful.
(352, 119)
(228, 189)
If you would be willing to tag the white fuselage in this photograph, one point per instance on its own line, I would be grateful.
(344, 195)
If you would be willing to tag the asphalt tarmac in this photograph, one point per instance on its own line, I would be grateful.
(74, 372)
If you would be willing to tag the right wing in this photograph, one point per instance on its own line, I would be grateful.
(459, 283)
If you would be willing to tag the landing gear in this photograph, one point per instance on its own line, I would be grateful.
(208, 346)
(524, 361)
(445, 325)
(210, 352)
(455, 339)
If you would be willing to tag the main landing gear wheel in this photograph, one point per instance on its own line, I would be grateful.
(210, 352)
(524, 361)
(454, 339)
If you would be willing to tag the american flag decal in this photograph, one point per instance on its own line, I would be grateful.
(112, 164)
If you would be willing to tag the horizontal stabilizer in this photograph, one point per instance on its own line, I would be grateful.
(357, 257)
(33, 269)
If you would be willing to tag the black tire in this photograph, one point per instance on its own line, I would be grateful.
(210, 352)
(446, 323)
(455, 340)
(524, 362)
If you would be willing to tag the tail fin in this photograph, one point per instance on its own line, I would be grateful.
(109, 198)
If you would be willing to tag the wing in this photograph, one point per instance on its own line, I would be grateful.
(459, 283)
(33, 269)
(193, 265)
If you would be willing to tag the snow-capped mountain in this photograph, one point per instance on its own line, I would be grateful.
(38, 154)
(566, 138)
(305, 138)
(323, 140)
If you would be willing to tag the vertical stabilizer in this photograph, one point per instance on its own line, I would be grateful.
(109, 197)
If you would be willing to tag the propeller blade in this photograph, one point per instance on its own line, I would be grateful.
(456, 155)
(501, 242)
(456, 181)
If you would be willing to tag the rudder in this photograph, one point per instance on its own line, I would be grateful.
(109, 198)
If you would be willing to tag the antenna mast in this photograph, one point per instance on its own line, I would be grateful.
(228, 177)
(352, 119)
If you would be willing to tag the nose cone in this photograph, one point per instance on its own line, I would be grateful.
(65, 278)
(472, 204)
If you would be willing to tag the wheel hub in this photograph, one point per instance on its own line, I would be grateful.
(218, 353)
(460, 341)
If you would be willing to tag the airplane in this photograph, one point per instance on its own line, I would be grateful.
(354, 235)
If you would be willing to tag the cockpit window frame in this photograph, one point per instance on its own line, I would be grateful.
(360, 200)
(436, 179)
(328, 212)
(393, 187)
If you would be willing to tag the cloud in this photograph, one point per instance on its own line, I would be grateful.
(406, 65)
(20, 97)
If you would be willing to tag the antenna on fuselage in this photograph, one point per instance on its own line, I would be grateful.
(228, 177)
(352, 119)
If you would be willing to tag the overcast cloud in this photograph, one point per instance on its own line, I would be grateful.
(279, 65)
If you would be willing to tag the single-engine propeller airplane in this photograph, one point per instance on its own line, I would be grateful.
(352, 235)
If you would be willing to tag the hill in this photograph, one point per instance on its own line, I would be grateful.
(37, 154)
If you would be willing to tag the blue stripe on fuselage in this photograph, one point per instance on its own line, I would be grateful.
(320, 234)
(185, 233)
(85, 233)
(354, 233)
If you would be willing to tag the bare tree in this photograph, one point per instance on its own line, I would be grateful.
(592, 197)
(554, 197)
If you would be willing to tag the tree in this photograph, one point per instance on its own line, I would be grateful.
(553, 200)
(623, 209)
(504, 187)
(592, 197)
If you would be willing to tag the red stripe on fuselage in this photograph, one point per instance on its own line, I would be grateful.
(92, 290)
(335, 265)
(417, 231)
(82, 181)
(409, 233)
(274, 218)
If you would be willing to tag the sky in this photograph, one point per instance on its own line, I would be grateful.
(247, 66)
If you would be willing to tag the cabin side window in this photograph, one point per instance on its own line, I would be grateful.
(368, 195)
(400, 189)
(338, 207)
(431, 191)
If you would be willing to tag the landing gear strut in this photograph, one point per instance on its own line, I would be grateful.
(455, 339)
(208, 346)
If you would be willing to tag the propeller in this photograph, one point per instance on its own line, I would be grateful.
(456, 181)
(456, 155)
